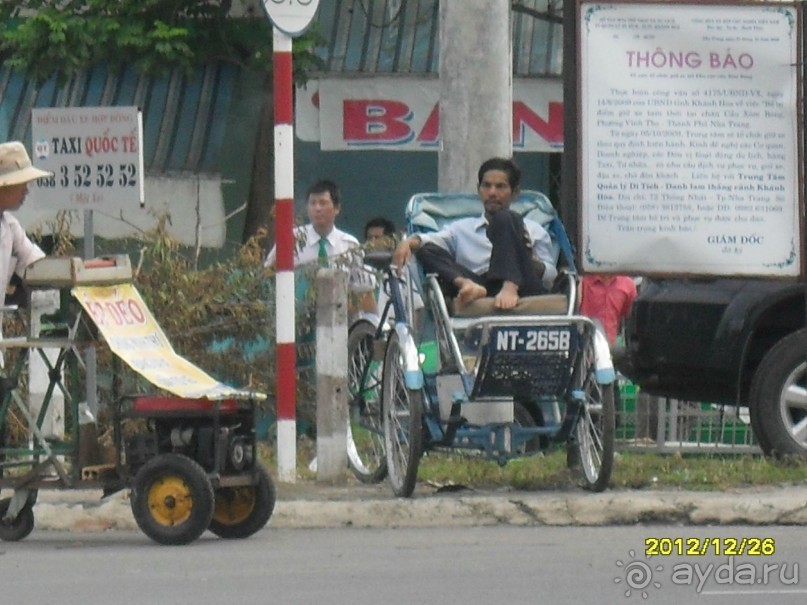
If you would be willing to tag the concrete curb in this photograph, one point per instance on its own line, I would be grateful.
(324, 507)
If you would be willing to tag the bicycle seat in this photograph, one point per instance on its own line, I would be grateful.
(378, 259)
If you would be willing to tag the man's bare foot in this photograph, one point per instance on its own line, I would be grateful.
(507, 298)
(469, 290)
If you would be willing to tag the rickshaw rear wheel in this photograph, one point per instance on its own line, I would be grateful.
(241, 511)
(402, 410)
(593, 447)
(365, 449)
(19, 528)
(172, 499)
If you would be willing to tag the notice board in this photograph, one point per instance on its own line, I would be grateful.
(690, 139)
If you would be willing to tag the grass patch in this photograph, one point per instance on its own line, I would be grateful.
(702, 472)
(708, 472)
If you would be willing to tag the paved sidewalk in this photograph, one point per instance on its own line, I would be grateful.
(307, 504)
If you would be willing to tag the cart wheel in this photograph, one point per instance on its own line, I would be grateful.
(365, 434)
(19, 528)
(402, 411)
(172, 499)
(593, 449)
(241, 511)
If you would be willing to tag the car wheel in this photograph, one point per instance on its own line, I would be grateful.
(778, 397)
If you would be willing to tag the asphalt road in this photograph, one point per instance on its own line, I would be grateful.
(454, 565)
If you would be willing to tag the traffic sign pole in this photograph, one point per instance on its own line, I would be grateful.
(289, 18)
(284, 245)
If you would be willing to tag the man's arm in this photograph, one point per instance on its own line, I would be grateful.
(403, 252)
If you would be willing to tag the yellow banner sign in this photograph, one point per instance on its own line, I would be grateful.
(134, 335)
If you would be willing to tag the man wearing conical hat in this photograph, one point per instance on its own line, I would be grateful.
(17, 251)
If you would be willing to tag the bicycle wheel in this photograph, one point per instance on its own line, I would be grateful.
(402, 413)
(593, 446)
(365, 433)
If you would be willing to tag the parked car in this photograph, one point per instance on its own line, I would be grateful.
(728, 341)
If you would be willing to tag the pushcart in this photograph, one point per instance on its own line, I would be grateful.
(187, 451)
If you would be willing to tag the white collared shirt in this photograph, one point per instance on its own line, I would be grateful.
(339, 245)
(17, 251)
(306, 245)
(467, 241)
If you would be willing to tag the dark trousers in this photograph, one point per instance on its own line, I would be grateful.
(510, 260)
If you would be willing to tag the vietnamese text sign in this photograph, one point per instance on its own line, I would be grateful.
(95, 154)
(402, 114)
(134, 335)
(689, 139)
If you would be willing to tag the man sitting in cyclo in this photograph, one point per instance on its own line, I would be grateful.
(497, 254)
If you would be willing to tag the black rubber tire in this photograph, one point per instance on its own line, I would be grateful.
(402, 410)
(365, 451)
(20, 527)
(172, 499)
(239, 512)
(779, 382)
(523, 417)
(759, 430)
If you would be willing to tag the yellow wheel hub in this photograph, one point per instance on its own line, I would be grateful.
(234, 505)
(170, 501)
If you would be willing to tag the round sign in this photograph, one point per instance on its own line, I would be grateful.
(292, 17)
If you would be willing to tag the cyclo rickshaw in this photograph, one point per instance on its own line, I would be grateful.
(495, 384)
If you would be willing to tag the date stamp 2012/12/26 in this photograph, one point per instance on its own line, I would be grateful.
(718, 546)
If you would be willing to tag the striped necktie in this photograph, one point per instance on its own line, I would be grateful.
(322, 255)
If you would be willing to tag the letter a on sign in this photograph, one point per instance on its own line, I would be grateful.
(292, 17)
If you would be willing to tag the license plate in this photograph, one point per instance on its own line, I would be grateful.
(531, 340)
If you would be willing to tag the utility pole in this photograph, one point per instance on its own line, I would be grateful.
(476, 89)
(568, 172)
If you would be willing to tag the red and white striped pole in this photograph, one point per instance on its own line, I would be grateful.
(286, 378)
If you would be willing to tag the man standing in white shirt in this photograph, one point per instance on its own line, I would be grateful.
(17, 251)
(498, 253)
(324, 203)
(321, 243)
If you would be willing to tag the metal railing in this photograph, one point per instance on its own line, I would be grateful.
(665, 425)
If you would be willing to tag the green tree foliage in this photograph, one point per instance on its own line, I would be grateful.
(57, 37)
(60, 38)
